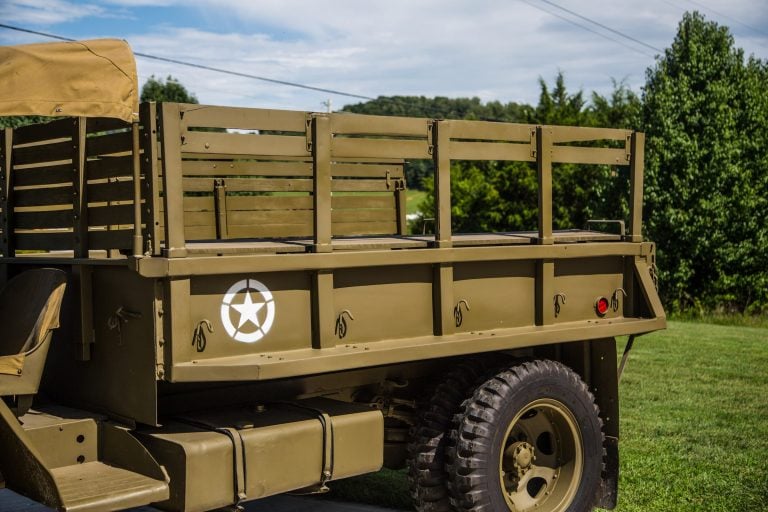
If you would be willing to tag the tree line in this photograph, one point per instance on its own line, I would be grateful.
(704, 110)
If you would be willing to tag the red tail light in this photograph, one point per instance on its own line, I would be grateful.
(601, 306)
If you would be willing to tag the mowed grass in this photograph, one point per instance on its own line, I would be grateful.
(694, 406)
(413, 200)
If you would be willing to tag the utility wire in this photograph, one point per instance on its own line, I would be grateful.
(762, 32)
(576, 23)
(207, 68)
(605, 27)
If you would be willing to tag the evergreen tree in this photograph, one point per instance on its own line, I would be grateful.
(705, 114)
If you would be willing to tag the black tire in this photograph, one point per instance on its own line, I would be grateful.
(540, 399)
(427, 477)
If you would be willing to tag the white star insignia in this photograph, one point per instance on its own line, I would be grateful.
(249, 311)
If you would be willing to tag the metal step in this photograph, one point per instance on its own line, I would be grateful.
(96, 486)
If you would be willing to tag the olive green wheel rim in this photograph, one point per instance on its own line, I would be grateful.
(542, 458)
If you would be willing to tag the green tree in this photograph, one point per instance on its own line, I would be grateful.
(706, 117)
(170, 89)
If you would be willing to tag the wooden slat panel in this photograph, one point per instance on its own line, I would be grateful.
(238, 144)
(200, 219)
(257, 217)
(109, 167)
(193, 204)
(487, 130)
(363, 201)
(43, 131)
(43, 175)
(562, 134)
(355, 170)
(117, 239)
(379, 125)
(44, 241)
(271, 230)
(490, 151)
(243, 118)
(578, 155)
(120, 142)
(110, 215)
(117, 191)
(370, 215)
(250, 185)
(379, 148)
(364, 228)
(342, 185)
(249, 203)
(103, 124)
(44, 153)
(223, 168)
(200, 232)
(44, 196)
(43, 220)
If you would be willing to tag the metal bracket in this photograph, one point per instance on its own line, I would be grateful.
(620, 223)
(615, 298)
(308, 132)
(559, 298)
(533, 143)
(430, 137)
(457, 314)
(198, 337)
(341, 323)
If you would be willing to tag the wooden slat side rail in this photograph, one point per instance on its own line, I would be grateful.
(490, 131)
(109, 167)
(582, 155)
(58, 128)
(247, 168)
(350, 147)
(561, 134)
(105, 124)
(55, 174)
(241, 144)
(55, 152)
(241, 118)
(44, 240)
(346, 124)
(110, 143)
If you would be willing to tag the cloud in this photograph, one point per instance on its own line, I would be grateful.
(492, 49)
(47, 12)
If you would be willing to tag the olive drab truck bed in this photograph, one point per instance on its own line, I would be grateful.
(246, 312)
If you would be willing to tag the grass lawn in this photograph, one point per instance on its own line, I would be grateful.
(413, 200)
(694, 405)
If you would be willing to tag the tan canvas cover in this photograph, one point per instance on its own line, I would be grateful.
(83, 78)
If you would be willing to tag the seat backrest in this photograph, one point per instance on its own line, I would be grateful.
(29, 307)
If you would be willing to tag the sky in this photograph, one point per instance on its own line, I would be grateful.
(491, 49)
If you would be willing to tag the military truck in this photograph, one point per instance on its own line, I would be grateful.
(206, 305)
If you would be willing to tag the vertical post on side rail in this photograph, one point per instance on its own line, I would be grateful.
(544, 171)
(148, 118)
(136, 148)
(322, 310)
(637, 148)
(545, 268)
(442, 138)
(6, 193)
(321, 183)
(170, 129)
(81, 273)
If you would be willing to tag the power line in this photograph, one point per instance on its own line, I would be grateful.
(207, 68)
(605, 27)
(572, 22)
(762, 32)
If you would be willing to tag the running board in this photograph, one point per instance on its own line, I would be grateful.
(74, 462)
